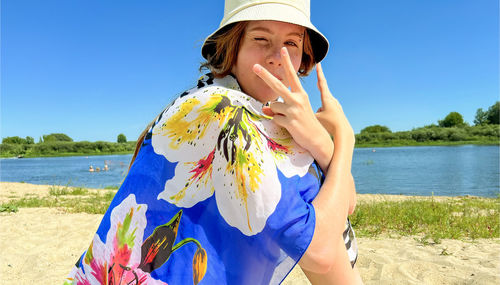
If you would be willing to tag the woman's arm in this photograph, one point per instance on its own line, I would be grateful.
(331, 206)
(352, 197)
(335, 196)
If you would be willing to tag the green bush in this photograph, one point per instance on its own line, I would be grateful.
(57, 137)
(121, 138)
(403, 135)
(493, 113)
(64, 147)
(15, 140)
(375, 129)
(433, 133)
(457, 134)
(7, 149)
(420, 135)
(453, 119)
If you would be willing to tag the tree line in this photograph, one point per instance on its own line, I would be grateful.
(57, 144)
(452, 128)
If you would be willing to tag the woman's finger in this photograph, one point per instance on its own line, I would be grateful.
(271, 81)
(278, 108)
(281, 121)
(322, 84)
(267, 111)
(290, 73)
(275, 108)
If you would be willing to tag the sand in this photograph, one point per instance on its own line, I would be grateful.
(40, 245)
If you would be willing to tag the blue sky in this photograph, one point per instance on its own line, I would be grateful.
(95, 68)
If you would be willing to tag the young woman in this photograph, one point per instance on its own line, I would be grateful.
(220, 189)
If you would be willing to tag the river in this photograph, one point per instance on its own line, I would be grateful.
(422, 170)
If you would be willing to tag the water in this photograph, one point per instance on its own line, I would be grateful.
(442, 170)
(71, 170)
(424, 170)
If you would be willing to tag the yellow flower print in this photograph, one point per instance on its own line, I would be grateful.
(223, 144)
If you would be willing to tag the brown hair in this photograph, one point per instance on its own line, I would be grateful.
(226, 45)
(139, 142)
(308, 61)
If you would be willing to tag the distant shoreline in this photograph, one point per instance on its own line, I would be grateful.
(365, 145)
(71, 154)
(435, 143)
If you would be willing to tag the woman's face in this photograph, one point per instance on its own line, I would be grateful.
(261, 43)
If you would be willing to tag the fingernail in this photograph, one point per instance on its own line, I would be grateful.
(257, 67)
(284, 51)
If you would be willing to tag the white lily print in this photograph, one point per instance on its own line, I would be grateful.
(224, 145)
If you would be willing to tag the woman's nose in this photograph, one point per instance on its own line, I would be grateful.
(274, 56)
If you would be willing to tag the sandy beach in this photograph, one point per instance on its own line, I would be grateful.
(40, 245)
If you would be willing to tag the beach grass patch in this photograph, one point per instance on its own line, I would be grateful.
(70, 199)
(31, 202)
(466, 217)
(78, 191)
(65, 190)
(8, 209)
(112, 187)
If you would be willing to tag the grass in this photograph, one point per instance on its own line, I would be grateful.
(430, 220)
(8, 208)
(64, 191)
(112, 187)
(73, 200)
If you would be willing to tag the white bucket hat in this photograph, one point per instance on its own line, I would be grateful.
(291, 11)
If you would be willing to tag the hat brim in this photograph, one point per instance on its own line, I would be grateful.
(267, 11)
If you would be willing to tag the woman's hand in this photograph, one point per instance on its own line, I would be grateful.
(333, 119)
(295, 112)
(334, 198)
(331, 115)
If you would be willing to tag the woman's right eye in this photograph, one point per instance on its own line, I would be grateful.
(260, 39)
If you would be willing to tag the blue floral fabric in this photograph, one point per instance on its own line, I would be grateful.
(218, 194)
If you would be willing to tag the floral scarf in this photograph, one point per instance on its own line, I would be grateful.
(218, 194)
